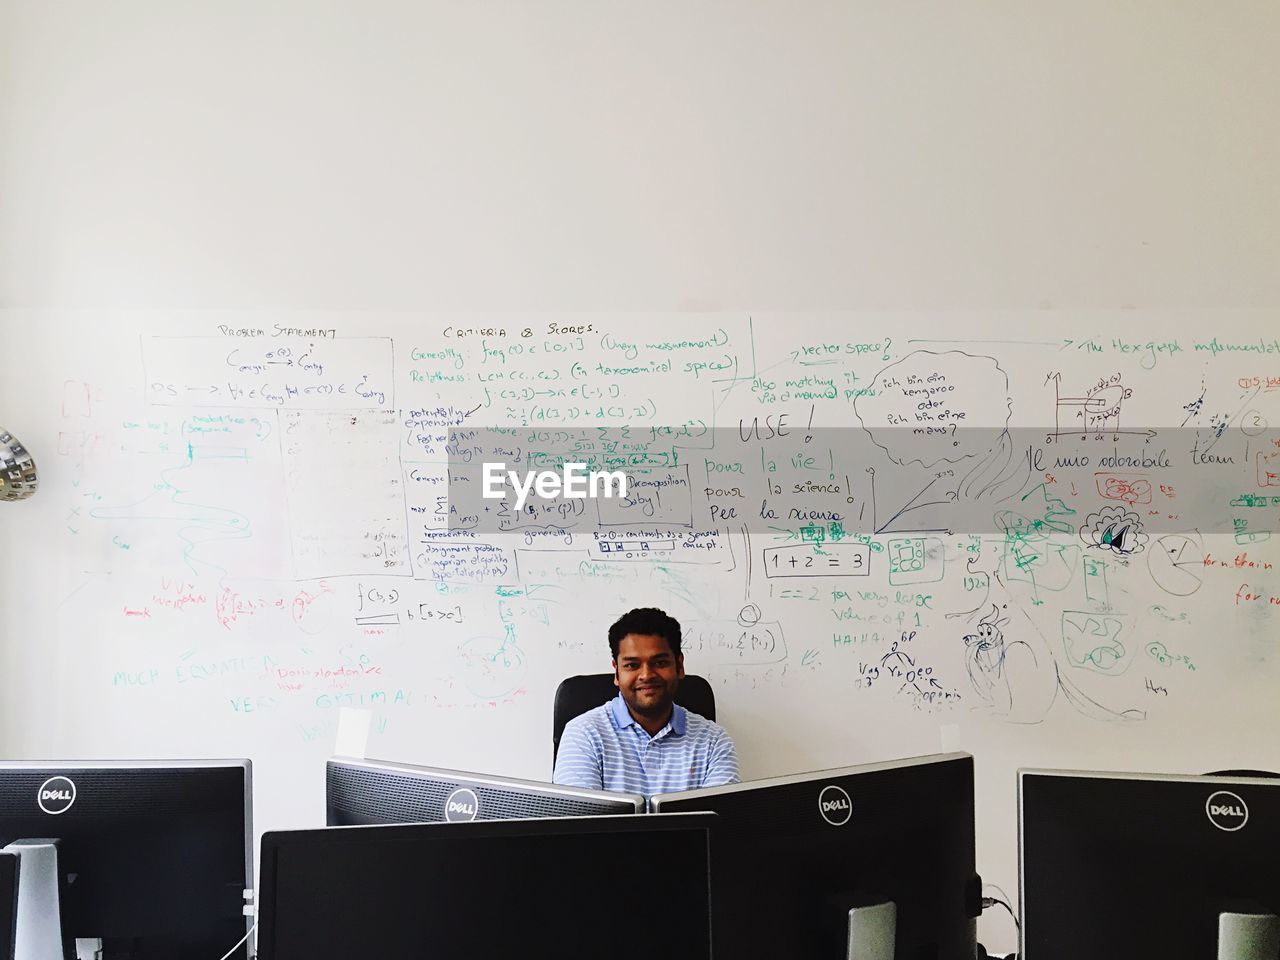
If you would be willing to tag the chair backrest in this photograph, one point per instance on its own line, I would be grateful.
(577, 695)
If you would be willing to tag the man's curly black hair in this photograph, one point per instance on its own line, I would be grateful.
(645, 620)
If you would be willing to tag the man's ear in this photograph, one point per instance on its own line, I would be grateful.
(615, 674)
(680, 667)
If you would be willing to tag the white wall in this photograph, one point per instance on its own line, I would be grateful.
(660, 156)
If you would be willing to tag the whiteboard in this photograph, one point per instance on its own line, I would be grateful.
(881, 538)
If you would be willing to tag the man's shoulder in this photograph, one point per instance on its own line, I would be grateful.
(589, 720)
(699, 726)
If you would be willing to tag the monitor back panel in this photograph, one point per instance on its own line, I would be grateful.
(1136, 867)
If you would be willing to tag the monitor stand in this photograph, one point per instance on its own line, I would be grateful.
(38, 930)
(871, 931)
(1248, 936)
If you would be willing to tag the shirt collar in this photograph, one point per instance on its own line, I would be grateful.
(622, 718)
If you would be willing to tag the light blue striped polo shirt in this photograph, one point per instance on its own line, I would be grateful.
(605, 749)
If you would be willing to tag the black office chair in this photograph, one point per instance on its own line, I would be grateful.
(577, 695)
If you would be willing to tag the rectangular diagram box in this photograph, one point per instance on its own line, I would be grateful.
(818, 560)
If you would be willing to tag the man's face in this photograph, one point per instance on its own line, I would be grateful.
(647, 673)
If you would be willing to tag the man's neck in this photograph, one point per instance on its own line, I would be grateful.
(650, 724)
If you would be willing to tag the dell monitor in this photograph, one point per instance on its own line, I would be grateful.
(365, 792)
(565, 887)
(151, 858)
(872, 861)
(1148, 865)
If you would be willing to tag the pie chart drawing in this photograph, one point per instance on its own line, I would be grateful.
(1176, 562)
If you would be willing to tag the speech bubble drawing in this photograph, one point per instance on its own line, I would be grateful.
(932, 407)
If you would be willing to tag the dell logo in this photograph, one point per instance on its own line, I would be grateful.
(461, 806)
(835, 806)
(1227, 811)
(56, 795)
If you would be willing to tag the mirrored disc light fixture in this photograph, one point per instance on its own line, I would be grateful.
(17, 470)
